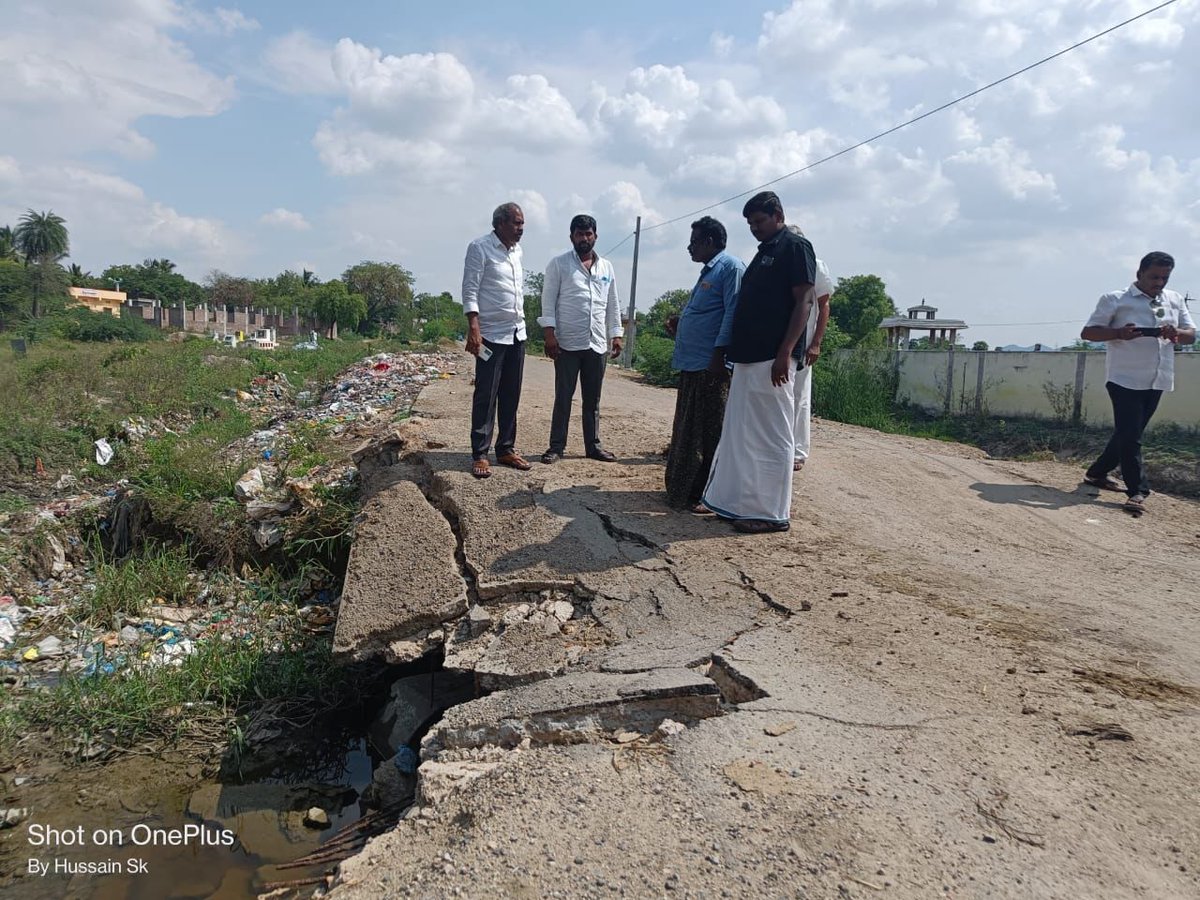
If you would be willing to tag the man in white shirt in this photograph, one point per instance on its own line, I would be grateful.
(494, 300)
(581, 322)
(818, 321)
(1141, 326)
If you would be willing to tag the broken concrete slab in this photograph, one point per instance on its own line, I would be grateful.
(575, 708)
(539, 541)
(658, 618)
(402, 576)
(521, 654)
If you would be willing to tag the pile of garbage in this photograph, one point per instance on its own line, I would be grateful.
(46, 572)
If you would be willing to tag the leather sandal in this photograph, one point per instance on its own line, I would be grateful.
(481, 468)
(514, 461)
(1105, 483)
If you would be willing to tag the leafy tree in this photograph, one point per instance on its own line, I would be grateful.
(16, 292)
(654, 323)
(859, 304)
(535, 283)
(332, 302)
(287, 290)
(229, 290)
(980, 345)
(387, 290)
(42, 239)
(153, 279)
(439, 315)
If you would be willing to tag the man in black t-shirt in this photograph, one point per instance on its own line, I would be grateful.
(751, 478)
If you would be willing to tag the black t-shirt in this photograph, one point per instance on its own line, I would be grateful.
(765, 302)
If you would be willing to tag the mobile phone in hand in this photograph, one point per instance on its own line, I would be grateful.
(1150, 331)
(485, 352)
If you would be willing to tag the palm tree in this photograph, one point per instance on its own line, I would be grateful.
(8, 244)
(163, 266)
(43, 241)
(79, 278)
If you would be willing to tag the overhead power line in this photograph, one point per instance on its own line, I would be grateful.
(912, 121)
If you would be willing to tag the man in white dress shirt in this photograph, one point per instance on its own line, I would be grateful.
(581, 322)
(1141, 326)
(493, 297)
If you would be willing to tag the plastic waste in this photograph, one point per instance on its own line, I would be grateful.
(104, 452)
(406, 760)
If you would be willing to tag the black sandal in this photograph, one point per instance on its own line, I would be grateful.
(759, 526)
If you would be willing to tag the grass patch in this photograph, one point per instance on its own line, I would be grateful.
(860, 389)
(224, 680)
(127, 587)
(63, 395)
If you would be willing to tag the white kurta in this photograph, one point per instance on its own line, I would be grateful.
(751, 475)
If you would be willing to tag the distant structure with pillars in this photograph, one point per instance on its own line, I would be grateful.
(922, 318)
(212, 319)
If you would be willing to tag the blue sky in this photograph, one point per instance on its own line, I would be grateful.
(262, 136)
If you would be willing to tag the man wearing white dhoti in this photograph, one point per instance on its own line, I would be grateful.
(751, 478)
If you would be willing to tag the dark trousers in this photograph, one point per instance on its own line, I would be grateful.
(695, 433)
(587, 368)
(1131, 414)
(497, 392)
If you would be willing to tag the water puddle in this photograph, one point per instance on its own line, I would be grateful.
(225, 841)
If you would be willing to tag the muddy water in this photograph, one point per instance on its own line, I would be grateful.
(178, 839)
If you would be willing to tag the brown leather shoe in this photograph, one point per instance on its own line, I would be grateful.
(602, 456)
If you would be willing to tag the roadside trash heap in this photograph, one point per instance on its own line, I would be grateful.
(46, 571)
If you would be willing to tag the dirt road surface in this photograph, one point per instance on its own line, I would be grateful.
(953, 677)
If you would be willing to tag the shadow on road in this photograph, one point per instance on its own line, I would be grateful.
(1040, 496)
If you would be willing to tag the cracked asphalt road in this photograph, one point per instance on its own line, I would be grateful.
(932, 647)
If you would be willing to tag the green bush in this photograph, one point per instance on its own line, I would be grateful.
(856, 388)
(79, 324)
(652, 357)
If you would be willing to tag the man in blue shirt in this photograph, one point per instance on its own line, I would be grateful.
(701, 334)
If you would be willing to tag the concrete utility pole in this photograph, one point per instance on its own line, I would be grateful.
(631, 331)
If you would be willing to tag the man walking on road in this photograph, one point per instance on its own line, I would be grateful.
(751, 478)
(580, 317)
(818, 319)
(1141, 326)
(493, 299)
(701, 335)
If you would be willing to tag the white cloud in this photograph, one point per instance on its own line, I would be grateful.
(720, 44)
(298, 63)
(419, 93)
(1007, 167)
(532, 112)
(64, 82)
(534, 206)
(111, 220)
(285, 218)
(347, 151)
